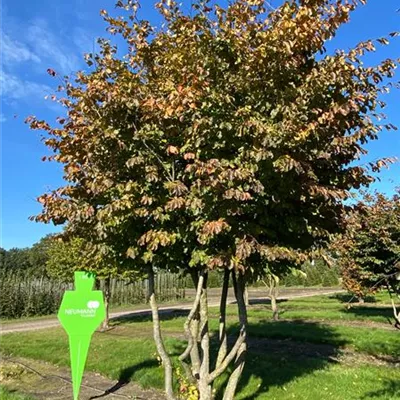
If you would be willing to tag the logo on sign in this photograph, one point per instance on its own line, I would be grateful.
(93, 304)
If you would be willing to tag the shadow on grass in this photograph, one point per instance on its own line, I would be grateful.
(126, 376)
(349, 298)
(145, 316)
(390, 390)
(265, 301)
(365, 311)
(279, 352)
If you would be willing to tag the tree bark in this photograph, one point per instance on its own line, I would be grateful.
(246, 296)
(107, 297)
(204, 386)
(274, 296)
(223, 339)
(231, 386)
(396, 315)
(191, 328)
(166, 361)
(274, 307)
(195, 330)
(194, 352)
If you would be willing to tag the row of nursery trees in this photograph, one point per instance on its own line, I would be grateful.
(227, 138)
(33, 279)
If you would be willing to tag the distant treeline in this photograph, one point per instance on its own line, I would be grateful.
(317, 273)
(27, 290)
(30, 259)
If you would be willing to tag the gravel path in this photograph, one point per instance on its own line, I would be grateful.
(255, 296)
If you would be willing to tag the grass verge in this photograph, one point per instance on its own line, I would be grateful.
(288, 368)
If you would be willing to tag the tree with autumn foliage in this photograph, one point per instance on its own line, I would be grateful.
(369, 251)
(224, 139)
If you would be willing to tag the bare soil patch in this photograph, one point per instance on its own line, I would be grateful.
(44, 381)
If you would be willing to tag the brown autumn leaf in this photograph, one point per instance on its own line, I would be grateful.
(189, 156)
(172, 150)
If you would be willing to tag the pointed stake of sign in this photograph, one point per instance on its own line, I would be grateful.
(81, 312)
(78, 347)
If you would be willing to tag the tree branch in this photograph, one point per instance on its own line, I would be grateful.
(205, 389)
(223, 340)
(158, 159)
(241, 353)
(158, 339)
(229, 358)
(191, 315)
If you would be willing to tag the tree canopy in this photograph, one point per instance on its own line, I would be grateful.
(369, 251)
(220, 140)
(224, 138)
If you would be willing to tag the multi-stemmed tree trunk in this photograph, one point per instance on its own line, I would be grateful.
(196, 357)
(200, 371)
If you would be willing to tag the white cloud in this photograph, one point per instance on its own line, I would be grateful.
(14, 88)
(2, 118)
(51, 48)
(14, 51)
(27, 53)
(83, 40)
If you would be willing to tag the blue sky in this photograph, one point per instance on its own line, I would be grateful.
(42, 34)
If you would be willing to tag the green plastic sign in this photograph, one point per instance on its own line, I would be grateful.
(81, 312)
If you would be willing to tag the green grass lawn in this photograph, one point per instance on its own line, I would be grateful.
(6, 394)
(319, 320)
(328, 308)
(371, 340)
(281, 375)
(292, 358)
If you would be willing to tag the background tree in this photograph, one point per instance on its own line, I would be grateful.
(38, 255)
(3, 255)
(369, 251)
(272, 282)
(30, 260)
(225, 139)
(17, 260)
(64, 257)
